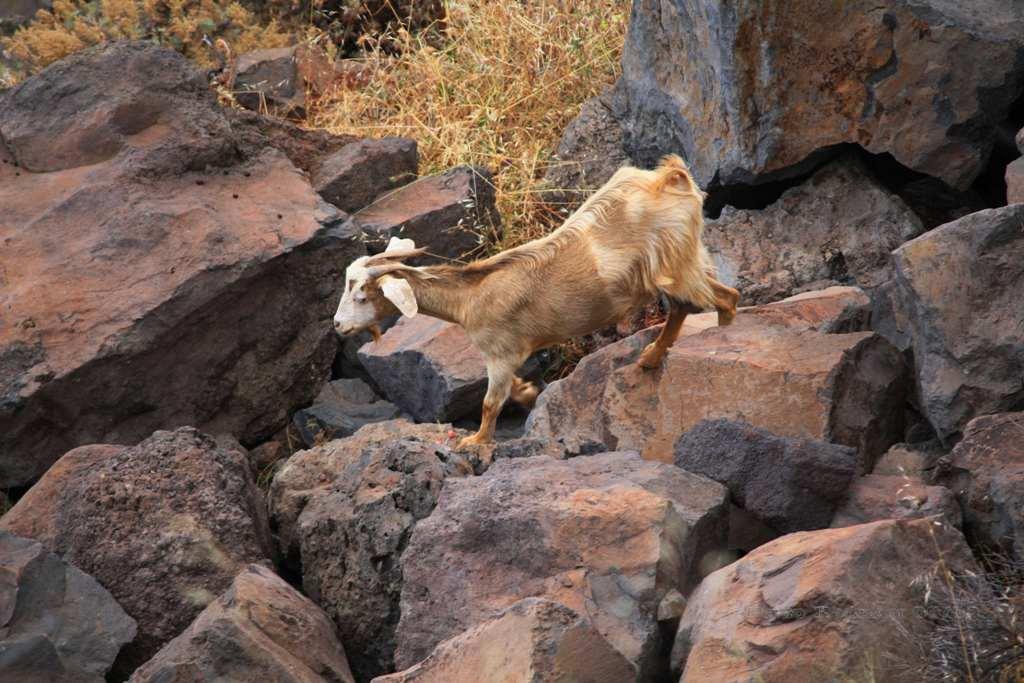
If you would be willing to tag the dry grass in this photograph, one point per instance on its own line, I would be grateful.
(498, 93)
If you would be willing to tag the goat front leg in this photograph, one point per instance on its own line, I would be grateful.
(655, 352)
(499, 384)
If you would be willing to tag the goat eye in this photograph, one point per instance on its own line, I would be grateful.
(359, 297)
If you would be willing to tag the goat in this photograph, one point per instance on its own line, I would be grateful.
(637, 237)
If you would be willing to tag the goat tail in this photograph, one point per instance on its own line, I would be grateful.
(673, 175)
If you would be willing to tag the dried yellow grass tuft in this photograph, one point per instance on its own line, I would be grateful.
(497, 90)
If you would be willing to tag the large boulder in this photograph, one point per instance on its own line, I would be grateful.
(164, 526)
(878, 496)
(818, 606)
(158, 268)
(341, 408)
(771, 368)
(839, 226)
(956, 302)
(260, 629)
(344, 512)
(790, 484)
(358, 173)
(610, 536)
(753, 92)
(986, 472)
(429, 368)
(57, 624)
(450, 214)
(532, 641)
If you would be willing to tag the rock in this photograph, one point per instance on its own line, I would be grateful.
(605, 535)
(449, 214)
(908, 461)
(956, 303)
(276, 79)
(344, 512)
(589, 153)
(1015, 182)
(164, 526)
(986, 472)
(840, 226)
(429, 368)
(260, 629)
(875, 497)
(358, 173)
(153, 275)
(790, 484)
(57, 624)
(533, 640)
(307, 149)
(770, 368)
(894, 76)
(817, 606)
(342, 407)
(266, 455)
(17, 13)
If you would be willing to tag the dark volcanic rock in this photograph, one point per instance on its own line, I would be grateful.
(341, 408)
(790, 484)
(428, 367)
(956, 302)
(839, 226)
(755, 91)
(344, 511)
(159, 268)
(449, 214)
(819, 605)
(260, 629)
(57, 624)
(358, 173)
(164, 526)
(609, 536)
(986, 472)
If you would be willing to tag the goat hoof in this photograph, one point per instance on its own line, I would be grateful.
(525, 394)
(651, 357)
(725, 319)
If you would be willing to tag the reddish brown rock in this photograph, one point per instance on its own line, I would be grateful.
(532, 641)
(164, 526)
(840, 226)
(429, 368)
(276, 80)
(260, 629)
(986, 472)
(875, 497)
(610, 536)
(769, 369)
(344, 512)
(818, 605)
(1015, 182)
(956, 302)
(757, 92)
(450, 214)
(358, 173)
(57, 624)
(158, 267)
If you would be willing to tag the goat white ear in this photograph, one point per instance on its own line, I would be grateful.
(398, 244)
(399, 292)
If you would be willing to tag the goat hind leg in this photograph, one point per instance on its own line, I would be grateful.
(654, 352)
(726, 299)
(524, 393)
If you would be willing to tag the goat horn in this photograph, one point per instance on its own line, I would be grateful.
(396, 255)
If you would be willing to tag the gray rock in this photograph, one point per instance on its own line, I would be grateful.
(450, 214)
(344, 512)
(260, 629)
(57, 624)
(164, 526)
(429, 368)
(956, 302)
(790, 484)
(235, 262)
(986, 473)
(359, 173)
(875, 496)
(341, 408)
(838, 227)
(755, 92)
(1015, 181)
(607, 535)
(269, 80)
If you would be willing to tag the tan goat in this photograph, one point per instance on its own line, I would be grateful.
(637, 237)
